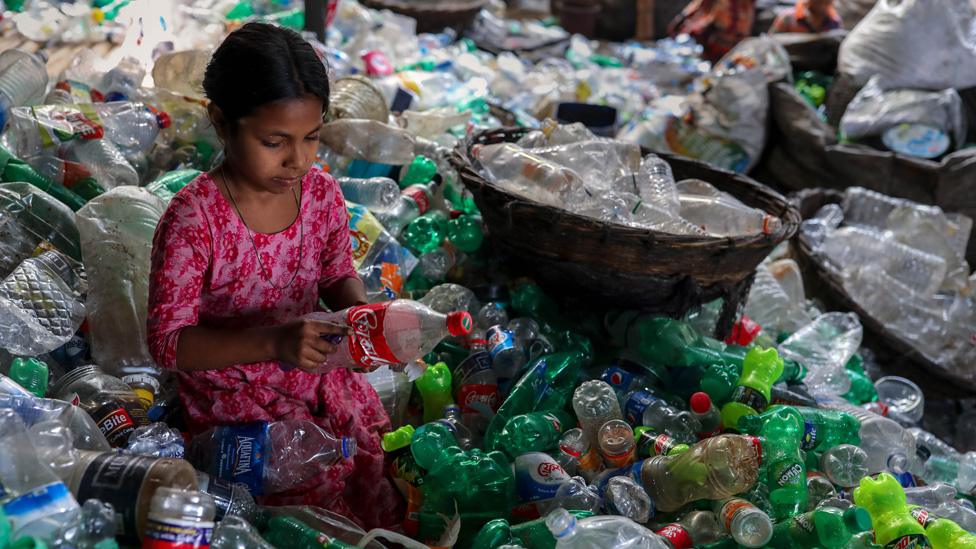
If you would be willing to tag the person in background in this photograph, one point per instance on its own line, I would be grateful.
(808, 16)
(718, 25)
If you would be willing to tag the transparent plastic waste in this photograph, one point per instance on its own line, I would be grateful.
(156, 440)
(824, 346)
(901, 395)
(889, 446)
(445, 298)
(85, 434)
(379, 194)
(770, 305)
(236, 533)
(609, 532)
(721, 214)
(626, 498)
(393, 388)
(369, 140)
(29, 217)
(23, 80)
(52, 440)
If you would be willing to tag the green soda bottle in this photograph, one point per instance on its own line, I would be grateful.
(529, 300)
(465, 233)
(31, 374)
(760, 369)
(862, 388)
(494, 534)
(945, 534)
(406, 474)
(650, 444)
(719, 381)
(435, 390)
(421, 170)
(824, 429)
(425, 234)
(781, 431)
(534, 432)
(894, 525)
(170, 183)
(825, 527)
(547, 385)
(14, 169)
(286, 532)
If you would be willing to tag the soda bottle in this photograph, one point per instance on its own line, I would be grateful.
(379, 194)
(945, 534)
(237, 533)
(23, 80)
(269, 457)
(369, 140)
(825, 527)
(494, 534)
(781, 431)
(650, 443)
(718, 381)
(411, 203)
(617, 445)
(426, 233)
(434, 387)
(894, 525)
(181, 518)
(693, 529)
(537, 479)
(760, 369)
(643, 408)
(819, 487)
(747, 525)
(13, 169)
(845, 465)
(289, 532)
(940, 461)
(547, 385)
(624, 497)
(476, 386)
(406, 474)
(715, 468)
(595, 403)
(534, 432)
(824, 346)
(31, 374)
(465, 233)
(452, 419)
(420, 171)
(391, 333)
(708, 417)
(490, 314)
(577, 495)
(889, 446)
(576, 446)
(609, 532)
(506, 351)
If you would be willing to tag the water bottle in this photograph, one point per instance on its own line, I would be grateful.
(507, 354)
(23, 80)
(642, 408)
(156, 440)
(656, 184)
(606, 532)
(187, 515)
(237, 533)
(379, 194)
(509, 164)
(577, 495)
(824, 346)
(845, 465)
(369, 140)
(889, 446)
(231, 499)
(721, 214)
(747, 525)
(595, 404)
(940, 462)
(269, 457)
(623, 496)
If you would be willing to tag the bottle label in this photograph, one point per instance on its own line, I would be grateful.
(474, 363)
(619, 460)
(241, 454)
(368, 346)
(663, 444)
(787, 473)
(732, 508)
(912, 541)
(419, 195)
(499, 341)
(37, 504)
(61, 123)
(809, 440)
(636, 405)
(750, 397)
(222, 493)
(117, 479)
(803, 522)
(618, 378)
(115, 422)
(923, 516)
(478, 398)
(676, 535)
(173, 533)
(538, 476)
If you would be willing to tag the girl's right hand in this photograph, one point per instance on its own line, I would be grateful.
(301, 342)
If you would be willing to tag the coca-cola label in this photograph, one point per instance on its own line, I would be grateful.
(367, 345)
(636, 405)
(478, 398)
(499, 341)
(538, 476)
(173, 533)
(677, 536)
(419, 195)
(241, 454)
(913, 541)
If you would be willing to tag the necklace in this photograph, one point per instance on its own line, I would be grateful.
(301, 237)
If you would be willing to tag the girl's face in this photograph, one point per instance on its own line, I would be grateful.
(274, 147)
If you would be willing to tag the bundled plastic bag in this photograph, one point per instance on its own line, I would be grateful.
(873, 110)
(927, 44)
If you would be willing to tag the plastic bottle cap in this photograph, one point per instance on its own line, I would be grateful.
(348, 447)
(758, 445)
(858, 519)
(700, 402)
(459, 323)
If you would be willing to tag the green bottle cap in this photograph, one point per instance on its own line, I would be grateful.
(420, 171)
(31, 374)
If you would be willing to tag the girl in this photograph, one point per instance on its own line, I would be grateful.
(245, 250)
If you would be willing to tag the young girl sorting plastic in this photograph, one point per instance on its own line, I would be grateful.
(243, 252)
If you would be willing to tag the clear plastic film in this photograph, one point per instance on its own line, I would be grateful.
(874, 110)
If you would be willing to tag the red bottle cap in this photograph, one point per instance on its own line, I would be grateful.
(377, 64)
(459, 323)
(743, 331)
(676, 535)
(701, 402)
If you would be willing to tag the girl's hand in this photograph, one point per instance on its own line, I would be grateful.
(302, 342)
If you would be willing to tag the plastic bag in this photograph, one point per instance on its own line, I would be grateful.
(922, 44)
(382, 263)
(874, 110)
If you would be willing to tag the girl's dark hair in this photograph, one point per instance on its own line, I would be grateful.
(261, 63)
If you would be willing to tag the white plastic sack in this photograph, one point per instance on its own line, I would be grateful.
(927, 44)
(873, 110)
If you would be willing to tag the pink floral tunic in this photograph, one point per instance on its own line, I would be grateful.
(204, 272)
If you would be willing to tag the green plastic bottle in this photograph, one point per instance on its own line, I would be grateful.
(719, 381)
(14, 169)
(31, 374)
(435, 391)
(534, 432)
(426, 233)
(494, 534)
(547, 385)
(406, 474)
(536, 535)
(862, 388)
(760, 369)
(825, 527)
(170, 183)
(945, 534)
(420, 170)
(824, 429)
(5, 529)
(286, 532)
(894, 525)
(781, 431)
(650, 444)
(465, 233)
(528, 299)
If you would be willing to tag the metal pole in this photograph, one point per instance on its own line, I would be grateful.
(315, 18)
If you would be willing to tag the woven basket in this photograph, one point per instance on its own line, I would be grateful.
(433, 16)
(611, 265)
(897, 355)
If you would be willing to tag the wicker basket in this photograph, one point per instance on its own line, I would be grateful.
(897, 355)
(617, 266)
(433, 16)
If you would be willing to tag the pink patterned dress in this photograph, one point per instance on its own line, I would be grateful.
(205, 272)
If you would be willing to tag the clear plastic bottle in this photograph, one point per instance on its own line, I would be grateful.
(23, 80)
(445, 298)
(748, 526)
(624, 497)
(617, 443)
(845, 465)
(181, 518)
(824, 346)
(369, 140)
(105, 162)
(770, 306)
(940, 462)
(721, 214)
(708, 417)
(692, 529)
(643, 408)
(577, 495)
(269, 457)
(595, 404)
(390, 333)
(519, 170)
(236, 533)
(508, 356)
(108, 400)
(889, 446)
(454, 421)
(231, 499)
(656, 184)
(379, 194)
(34, 499)
(575, 444)
(491, 314)
(605, 532)
(412, 202)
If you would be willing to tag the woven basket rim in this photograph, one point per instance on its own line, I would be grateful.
(789, 217)
(453, 6)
